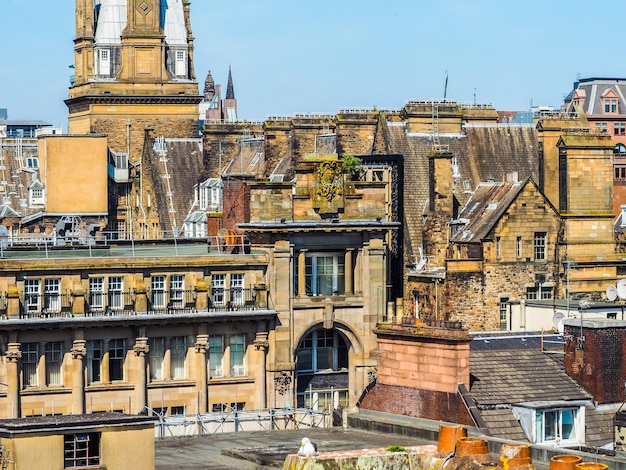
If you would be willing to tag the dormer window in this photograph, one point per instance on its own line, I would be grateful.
(610, 102)
(610, 106)
(103, 62)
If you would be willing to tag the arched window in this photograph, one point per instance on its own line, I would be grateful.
(322, 350)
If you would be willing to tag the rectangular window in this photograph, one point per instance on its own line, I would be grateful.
(540, 246)
(158, 292)
(177, 291)
(32, 295)
(218, 284)
(157, 356)
(216, 356)
(30, 358)
(81, 450)
(498, 247)
(178, 353)
(52, 295)
(54, 362)
(96, 293)
(518, 247)
(504, 317)
(181, 64)
(325, 274)
(94, 360)
(556, 425)
(116, 293)
(117, 353)
(236, 289)
(237, 355)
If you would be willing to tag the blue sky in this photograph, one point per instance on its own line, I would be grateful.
(321, 56)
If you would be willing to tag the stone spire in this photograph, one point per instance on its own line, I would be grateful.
(230, 90)
(209, 86)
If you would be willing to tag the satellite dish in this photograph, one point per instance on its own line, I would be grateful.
(621, 289)
(557, 321)
(611, 293)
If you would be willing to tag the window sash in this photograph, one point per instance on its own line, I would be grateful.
(178, 352)
(94, 361)
(157, 356)
(117, 353)
(54, 362)
(116, 292)
(237, 355)
(540, 246)
(32, 295)
(216, 356)
(30, 359)
(159, 297)
(325, 274)
(177, 291)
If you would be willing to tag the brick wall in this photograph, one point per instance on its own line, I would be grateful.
(600, 364)
(418, 403)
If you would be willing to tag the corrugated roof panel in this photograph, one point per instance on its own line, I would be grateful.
(175, 29)
(112, 19)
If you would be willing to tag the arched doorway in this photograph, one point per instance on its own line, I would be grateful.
(322, 370)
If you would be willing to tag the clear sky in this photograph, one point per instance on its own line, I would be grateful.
(321, 56)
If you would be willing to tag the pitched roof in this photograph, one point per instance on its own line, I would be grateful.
(483, 210)
(517, 376)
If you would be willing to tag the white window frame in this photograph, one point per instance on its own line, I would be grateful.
(32, 295)
(236, 289)
(218, 290)
(177, 291)
(104, 62)
(96, 293)
(180, 63)
(316, 265)
(116, 292)
(540, 422)
(540, 245)
(159, 292)
(52, 295)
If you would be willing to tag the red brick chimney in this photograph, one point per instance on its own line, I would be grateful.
(597, 358)
(419, 369)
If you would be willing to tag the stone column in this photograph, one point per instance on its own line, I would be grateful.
(13, 302)
(202, 347)
(105, 376)
(13, 356)
(358, 273)
(349, 271)
(302, 273)
(261, 345)
(202, 296)
(140, 348)
(167, 359)
(78, 380)
(78, 299)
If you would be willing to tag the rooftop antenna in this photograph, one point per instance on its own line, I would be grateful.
(445, 88)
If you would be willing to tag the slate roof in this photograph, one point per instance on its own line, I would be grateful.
(484, 208)
(483, 153)
(599, 425)
(517, 376)
(513, 371)
(177, 174)
(593, 89)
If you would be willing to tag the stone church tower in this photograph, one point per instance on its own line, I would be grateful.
(134, 82)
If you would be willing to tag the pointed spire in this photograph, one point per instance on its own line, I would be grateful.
(230, 90)
(209, 85)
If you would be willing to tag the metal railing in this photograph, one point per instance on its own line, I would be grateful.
(234, 298)
(45, 305)
(171, 301)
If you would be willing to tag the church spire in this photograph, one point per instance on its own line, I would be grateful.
(230, 89)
